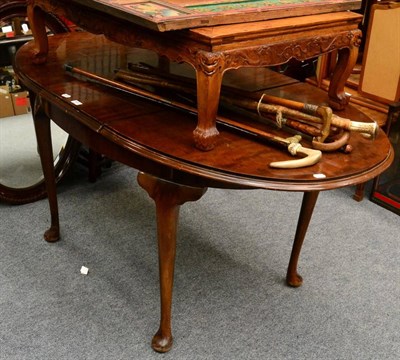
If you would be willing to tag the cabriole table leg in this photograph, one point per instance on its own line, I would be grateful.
(307, 207)
(37, 22)
(209, 72)
(168, 197)
(347, 59)
(43, 136)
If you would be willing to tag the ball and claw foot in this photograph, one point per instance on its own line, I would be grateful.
(52, 234)
(294, 280)
(161, 343)
(205, 139)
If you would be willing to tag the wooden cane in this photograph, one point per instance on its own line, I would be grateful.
(187, 88)
(292, 144)
(319, 135)
(295, 110)
(318, 143)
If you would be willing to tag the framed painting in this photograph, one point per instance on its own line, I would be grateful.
(166, 15)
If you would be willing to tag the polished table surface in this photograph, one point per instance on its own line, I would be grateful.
(214, 50)
(153, 138)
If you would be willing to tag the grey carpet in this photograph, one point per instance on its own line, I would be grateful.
(230, 300)
(19, 158)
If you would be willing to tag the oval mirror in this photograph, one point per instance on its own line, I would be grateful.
(21, 177)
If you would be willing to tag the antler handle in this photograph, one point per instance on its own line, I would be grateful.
(307, 113)
(370, 128)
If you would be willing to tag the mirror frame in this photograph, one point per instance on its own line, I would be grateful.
(9, 10)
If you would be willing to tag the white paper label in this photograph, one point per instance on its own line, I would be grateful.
(319, 176)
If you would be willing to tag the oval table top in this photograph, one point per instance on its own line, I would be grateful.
(158, 139)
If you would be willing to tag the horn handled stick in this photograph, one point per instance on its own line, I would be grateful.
(337, 142)
(185, 86)
(164, 83)
(311, 156)
(370, 128)
(292, 108)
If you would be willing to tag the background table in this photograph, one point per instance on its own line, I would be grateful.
(214, 50)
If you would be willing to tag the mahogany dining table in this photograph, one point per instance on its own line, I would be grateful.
(155, 139)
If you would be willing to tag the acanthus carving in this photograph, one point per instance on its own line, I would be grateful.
(280, 53)
(209, 63)
(356, 38)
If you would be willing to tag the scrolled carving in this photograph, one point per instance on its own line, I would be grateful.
(279, 53)
(209, 63)
(355, 38)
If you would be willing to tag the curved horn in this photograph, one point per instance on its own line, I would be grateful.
(334, 145)
(326, 114)
(312, 156)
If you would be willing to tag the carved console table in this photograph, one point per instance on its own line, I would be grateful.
(214, 50)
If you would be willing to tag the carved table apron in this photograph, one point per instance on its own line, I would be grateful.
(153, 138)
(214, 50)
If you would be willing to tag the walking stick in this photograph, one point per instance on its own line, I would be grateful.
(292, 144)
(295, 110)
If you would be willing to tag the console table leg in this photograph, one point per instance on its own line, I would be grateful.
(346, 61)
(208, 93)
(168, 197)
(307, 207)
(36, 17)
(43, 136)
